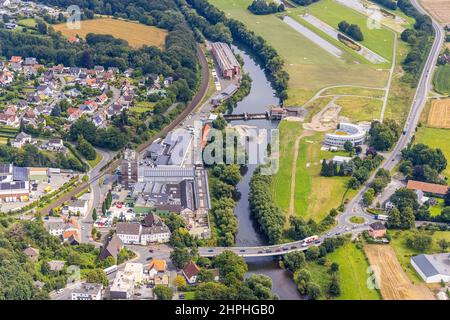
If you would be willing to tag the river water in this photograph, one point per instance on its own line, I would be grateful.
(261, 96)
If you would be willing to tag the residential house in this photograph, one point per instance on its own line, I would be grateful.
(190, 272)
(126, 280)
(11, 121)
(74, 114)
(56, 265)
(21, 139)
(377, 230)
(111, 248)
(154, 230)
(32, 253)
(78, 206)
(156, 266)
(55, 144)
(101, 99)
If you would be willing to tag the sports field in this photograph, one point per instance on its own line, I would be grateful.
(435, 138)
(441, 80)
(439, 115)
(394, 283)
(314, 196)
(310, 67)
(136, 34)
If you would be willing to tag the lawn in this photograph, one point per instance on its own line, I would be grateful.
(142, 106)
(353, 273)
(309, 66)
(28, 23)
(314, 196)
(136, 34)
(404, 254)
(436, 210)
(435, 138)
(441, 80)
(379, 40)
(360, 108)
(93, 163)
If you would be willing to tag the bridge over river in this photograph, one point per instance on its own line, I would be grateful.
(278, 249)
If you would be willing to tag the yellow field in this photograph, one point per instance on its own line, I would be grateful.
(395, 284)
(440, 9)
(439, 115)
(136, 34)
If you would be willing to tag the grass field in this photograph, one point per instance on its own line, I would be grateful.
(404, 253)
(93, 163)
(394, 282)
(441, 80)
(359, 108)
(314, 196)
(142, 106)
(353, 273)
(379, 40)
(309, 66)
(435, 138)
(136, 34)
(28, 23)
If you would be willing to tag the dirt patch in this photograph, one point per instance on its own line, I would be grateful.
(394, 283)
(439, 115)
(327, 119)
(439, 9)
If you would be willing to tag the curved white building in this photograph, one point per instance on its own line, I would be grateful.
(345, 132)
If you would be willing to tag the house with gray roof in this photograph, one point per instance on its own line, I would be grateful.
(432, 267)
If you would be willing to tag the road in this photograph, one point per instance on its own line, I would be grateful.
(355, 206)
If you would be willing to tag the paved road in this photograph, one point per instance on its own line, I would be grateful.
(355, 206)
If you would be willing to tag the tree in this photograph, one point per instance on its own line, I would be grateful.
(313, 291)
(443, 244)
(407, 218)
(179, 282)
(394, 219)
(312, 253)
(294, 260)
(94, 214)
(302, 277)
(348, 146)
(180, 257)
(211, 291)
(205, 275)
(163, 292)
(419, 241)
(334, 289)
(86, 149)
(368, 197)
(97, 276)
(334, 267)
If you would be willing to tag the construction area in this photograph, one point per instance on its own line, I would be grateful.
(439, 115)
(394, 282)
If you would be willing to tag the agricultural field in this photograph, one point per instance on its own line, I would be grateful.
(441, 81)
(314, 196)
(28, 23)
(404, 253)
(136, 34)
(439, 9)
(435, 138)
(310, 67)
(7, 133)
(439, 114)
(394, 283)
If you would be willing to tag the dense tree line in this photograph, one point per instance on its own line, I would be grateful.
(31, 156)
(234, 285)
(304, 2)
(420, 39)
(300, 229)
(420, 162)
(269, 216)
(383, 136)
(352, 30)
(263, 7)
(402, 216)
(272, 62)
(390, 4)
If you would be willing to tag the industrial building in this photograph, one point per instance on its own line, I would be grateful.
(129, 168)
(172, 151)
(14, 184)
(432, 268)
(225, 59)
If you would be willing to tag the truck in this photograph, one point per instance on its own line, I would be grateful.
(309, 240)
(110, 269)
(382, 217)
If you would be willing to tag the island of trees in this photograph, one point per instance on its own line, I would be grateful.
(351, 30)
(263, 7)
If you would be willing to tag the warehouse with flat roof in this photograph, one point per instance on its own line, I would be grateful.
(225, 59)
(432, 267)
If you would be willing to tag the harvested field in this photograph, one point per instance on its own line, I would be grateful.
(440, 9)
(136, 34)
(394, 283)
(439, 115)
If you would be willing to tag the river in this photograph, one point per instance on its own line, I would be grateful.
(260, 97)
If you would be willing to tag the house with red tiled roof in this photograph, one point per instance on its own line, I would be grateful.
(428, 188)
(101, 99)
(190, 272)
(16, 59)
(156, 266)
